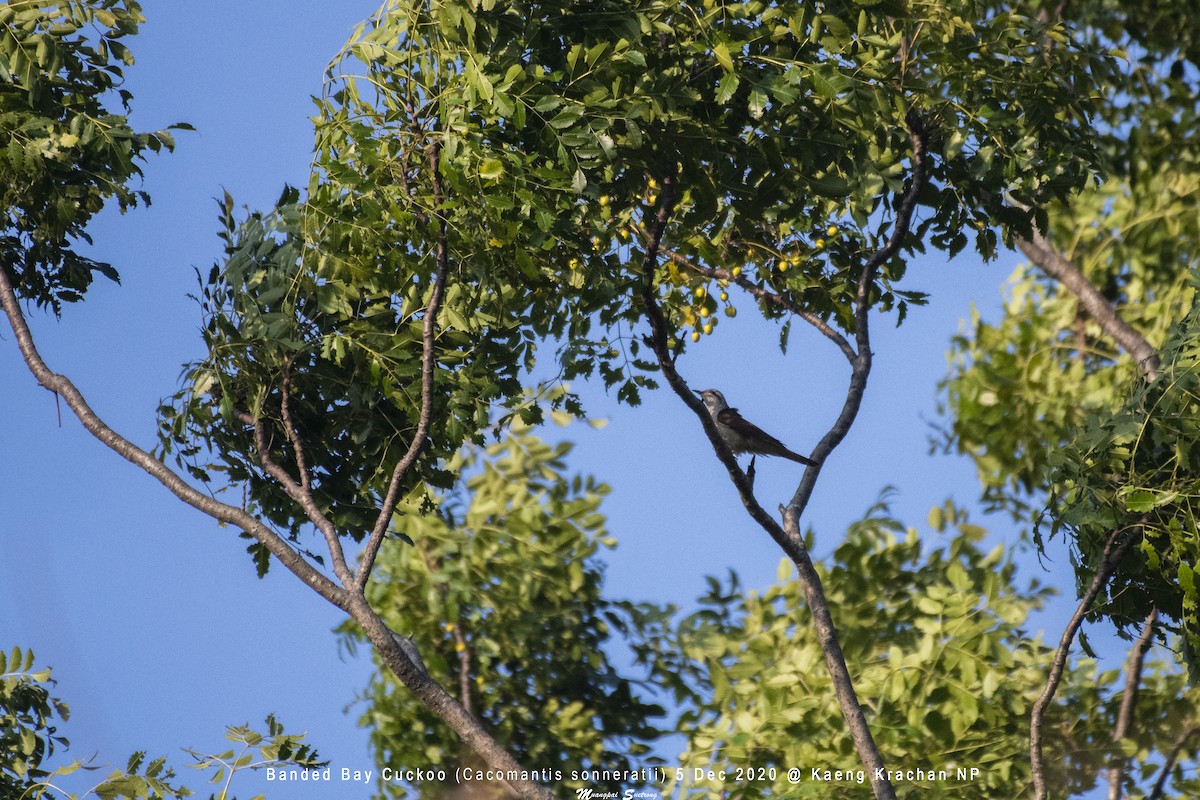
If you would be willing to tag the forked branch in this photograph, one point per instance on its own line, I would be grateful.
(222, 512)
(788, 536)
(428, 364)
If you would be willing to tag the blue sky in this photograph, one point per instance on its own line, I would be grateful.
(159, 632)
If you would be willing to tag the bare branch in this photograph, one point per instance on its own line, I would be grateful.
(1133, 678)
(1180, 742)
(437, 700)
(1055, 264)
(428, 364)
(918, 135)
(1118, 542)
(222, 512)
(301, 495)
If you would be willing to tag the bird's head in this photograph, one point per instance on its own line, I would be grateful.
(714, 401)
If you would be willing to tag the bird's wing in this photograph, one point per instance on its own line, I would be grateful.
(748, 430)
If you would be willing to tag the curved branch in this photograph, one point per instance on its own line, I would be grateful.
(1114, 549)
(222, 512)
(300, 494)
(1055, 264)
(766, 295)
(789, 537)
(1133, 678)
(428, 364)
(918, 135)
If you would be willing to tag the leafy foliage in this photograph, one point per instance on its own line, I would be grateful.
(28, 735)
(65, 151)
(345, 358)
(557, 124)
(1019, 387)
(941, 656)
(501, 593)
(1135, 469)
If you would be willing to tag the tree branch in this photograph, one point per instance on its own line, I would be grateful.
(1055, 264)
(760, 292)
(222, 512)
(1133, 678)
(301, 495)
(918, 135)
(1172, 757)
(1118, 542)
(789, 537)
(437, 700)
(428, 364)
(290, 427)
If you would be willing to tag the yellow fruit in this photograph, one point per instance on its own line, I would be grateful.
(724, 296)
(701, 292)
(695, 336)
(794, 261)
(730, 311)
(819, 243)
(604, 199)
(704, 312)
(573, 263)
(783, 266)
(832, 230)
(735, 271)
(708, 327)
(653, 184)
(459, 647)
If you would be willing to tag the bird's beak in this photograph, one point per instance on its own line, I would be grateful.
(697, 391)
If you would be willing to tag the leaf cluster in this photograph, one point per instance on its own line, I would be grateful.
(1135, 469)
(942, 660)
(557, 125)
(65, 150)
(501, 593)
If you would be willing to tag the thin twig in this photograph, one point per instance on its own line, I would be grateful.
(222, 512)
(1114, 548)
(301, 495)
(762, 293)
(1133, 679)
(290, 427)
(1169, 764)
(428, 364)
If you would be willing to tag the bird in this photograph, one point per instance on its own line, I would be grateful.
(742, 436)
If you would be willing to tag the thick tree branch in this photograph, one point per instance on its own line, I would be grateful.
(428, 365)
(1118, 542)
(437, 700)
(222, 512)
(1133, 679)
(1055, 264)
(301, 495)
